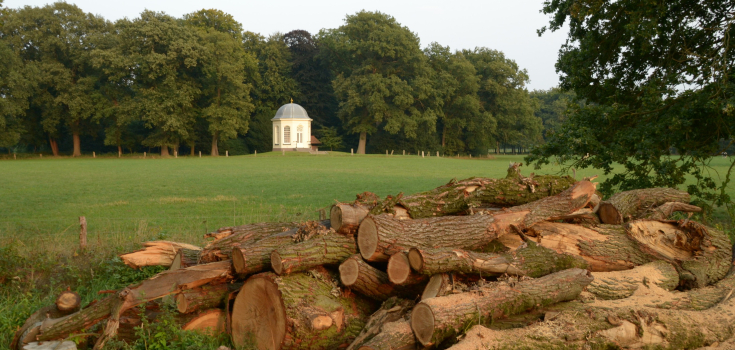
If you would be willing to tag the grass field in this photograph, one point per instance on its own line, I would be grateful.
(130, 200)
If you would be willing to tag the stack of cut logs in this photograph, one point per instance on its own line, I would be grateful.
(540, 260)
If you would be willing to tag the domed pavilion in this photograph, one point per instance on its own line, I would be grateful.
(292, 129)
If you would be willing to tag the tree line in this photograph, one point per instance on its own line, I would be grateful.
(72, 81)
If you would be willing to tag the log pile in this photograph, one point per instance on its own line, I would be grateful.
(435, 270)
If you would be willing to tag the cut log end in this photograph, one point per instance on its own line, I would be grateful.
(398, 268)
(181, 303)
(349, 271)
(211, 322)
(68, 302)
(259, 312)
(276, 262)
(238, 260)
(367, 239)
(415, 259)
(422, 323)
(335, 217)
(609, 214)
(433, 287)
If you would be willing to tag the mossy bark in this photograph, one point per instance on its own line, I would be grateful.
(242, 236)
(329, 249)
(629, 205)
(297, 311)
(256, 257)
(459, 196)
(204, 297)
(381, 236)
(392, 310)
(605, 325)
(437, 319)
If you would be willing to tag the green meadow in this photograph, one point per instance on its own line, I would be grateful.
(130, 200)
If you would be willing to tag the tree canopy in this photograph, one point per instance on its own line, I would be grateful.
(657, 88)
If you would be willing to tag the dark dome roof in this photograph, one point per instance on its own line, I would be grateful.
(291, 111)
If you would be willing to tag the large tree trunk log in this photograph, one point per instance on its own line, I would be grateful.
(443, 284)
(391, 310)
(702, 255)
(241, 236)
(165, 283)
(212, 322)
(459, 196)
(436, 319)
(329, 249)
(297, 311)
(614, 325)
(629, 205)
(664, 211)
(699, 298)
(256, 257)
(380, 236)
(204, 297)
(32, 326)
(364, 279)
(185, 258)
(622, 284)
(157, 253)
(393, 336)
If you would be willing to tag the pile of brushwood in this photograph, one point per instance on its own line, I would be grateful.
(518, 262)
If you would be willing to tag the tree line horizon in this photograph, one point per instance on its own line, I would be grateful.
(72, 81)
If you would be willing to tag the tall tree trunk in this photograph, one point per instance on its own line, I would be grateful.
(444, 136)
(119, 150)
(77, 143)
(54, 146)
(215, 149)
(164, 151)
(192, 149)
(361, 145)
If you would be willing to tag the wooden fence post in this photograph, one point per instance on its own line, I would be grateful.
(144, 155)
(200, 154)
(227, 153)
(176, 154)
(352, 151)
(82, 232)
(94, 155)
(256, 152)
(404, 152)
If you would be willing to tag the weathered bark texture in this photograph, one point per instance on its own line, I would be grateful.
(256, 257)
(391, 310)
(329, 249)
(297, 311)
(364, 279)
(157, 253)
(443, 284)
(346, 218)
(664, 211)
(204, 297)
(165, 283)
(380, 236)
(241, 236)
(436, 319)
(31, 327)
(393, 336)
(459, 196)
(622, 284)
(699, 298)
(629, 205)
(185, 258)
(609, 325)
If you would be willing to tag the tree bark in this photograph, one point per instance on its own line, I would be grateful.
(158, 253)
(361, 144)
(443, 284)
(215, 149)
(629, 205)
(119, 151)
(298, 311)
(436, 319)
(622, 284)
(391, 310)
(664, 211)
(185, 258)
(702, 255)
(77, 144)
(380, 236)
(204, 297)
(346, 218)
(165, 283)
(256, 257)
(366, 280)
(54, 146)
(31, 328)
(329, 249)
(228, 238)
(612, 325)
(393, 336)
(164, 151)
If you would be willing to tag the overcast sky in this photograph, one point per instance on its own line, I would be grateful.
(508, 25)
